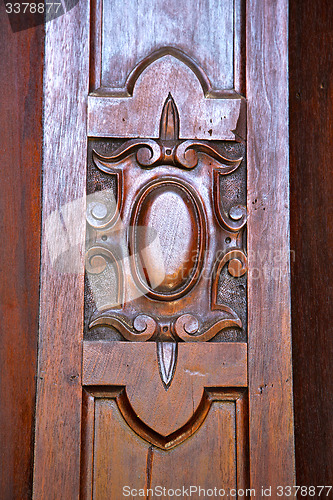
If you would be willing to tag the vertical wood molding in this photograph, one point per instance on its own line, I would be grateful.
(311, 160)
(57, 440)
(270, 375)
(21, 75)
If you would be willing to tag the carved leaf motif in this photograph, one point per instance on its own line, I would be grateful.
(144, 327)
(236, 219)
(167, 360)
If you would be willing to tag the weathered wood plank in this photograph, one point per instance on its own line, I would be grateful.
(59, 392)
(311, 189)
(21, 75)
(270, 375)
(133, 31)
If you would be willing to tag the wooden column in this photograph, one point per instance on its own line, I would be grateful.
(59, 392)
(21, 73)
(270, 375)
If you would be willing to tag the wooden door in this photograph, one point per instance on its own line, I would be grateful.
(164, 350)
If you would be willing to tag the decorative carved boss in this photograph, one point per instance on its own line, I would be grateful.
(160, 238)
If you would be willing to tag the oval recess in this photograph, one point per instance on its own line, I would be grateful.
(167, 239)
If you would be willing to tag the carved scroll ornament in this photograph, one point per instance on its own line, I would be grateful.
(166, 234)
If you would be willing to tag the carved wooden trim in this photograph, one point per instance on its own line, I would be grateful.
(104, 362)
(59, 390)
(167, 361)
(213, 118)
(270, 366)
(167, 150)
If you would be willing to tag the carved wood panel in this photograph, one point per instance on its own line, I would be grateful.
(113, 438)
(165, 238)
(165, 356)
(124, 40)
(162, 358)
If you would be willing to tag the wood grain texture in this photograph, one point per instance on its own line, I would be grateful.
(135, 366)
(87, 445)
(206, 116)
(218, 435)
(311, 184)
(121, 458)
(58, 412)
(119, 455)
(185, 225)
(270, 376)
(132, 33)
(21, 73)
(212, 182)
(311, 177)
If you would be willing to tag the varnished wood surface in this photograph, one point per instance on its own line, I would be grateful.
(21, 71)
(128, 37)
(311, 176)
(110, 447)
(135, 366)
(311, 181)
(59, 391)
(269, 306)
(207, 117)
(270, 374)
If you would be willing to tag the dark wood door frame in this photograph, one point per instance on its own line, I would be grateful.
(21, 76)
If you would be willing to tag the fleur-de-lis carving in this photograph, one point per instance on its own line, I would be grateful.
(168, 149)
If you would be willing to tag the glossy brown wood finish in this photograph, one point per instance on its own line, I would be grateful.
(135, 366)
(155, 392)
(167, 189)
(111, 446)
(21, 72)
(311, 177)
(210, 116)
(270, 375)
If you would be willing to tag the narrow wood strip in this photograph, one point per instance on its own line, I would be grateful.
(21, 109)
(311, 139)
(270, 374)
(87, 452)
(242, 441)
(119, 116)
(58, 410)
(102, 362)
(239, 46)
(95, 45)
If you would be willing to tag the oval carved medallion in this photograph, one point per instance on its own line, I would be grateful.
(167, 239)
